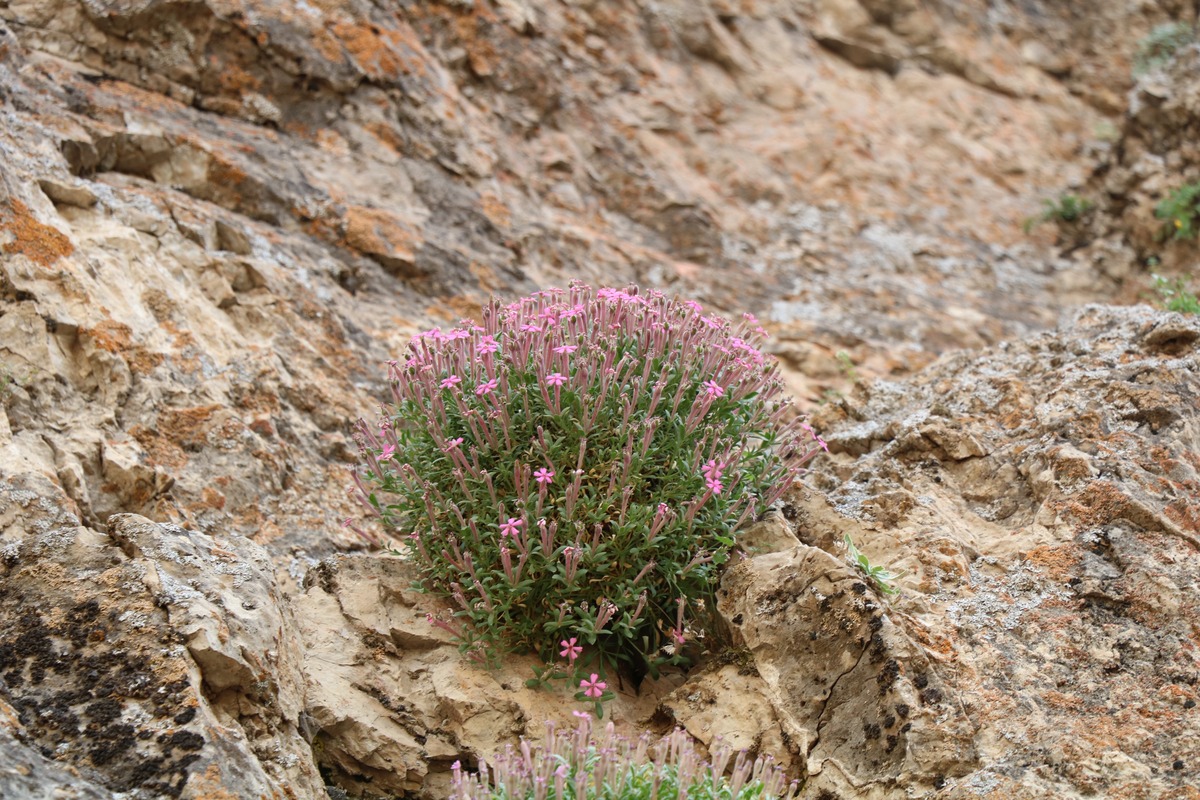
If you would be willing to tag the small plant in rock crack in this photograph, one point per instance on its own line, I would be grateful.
(1175, 295)
(1180, 212)
(581, 764)
(571, 473)
(881, 577)
(1069, 208)
(1160, 46)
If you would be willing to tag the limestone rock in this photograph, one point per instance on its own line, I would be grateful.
(391, 700)
(1044, 577)
(158, 661)
(219, 219)
(26, 774)
(861, 700)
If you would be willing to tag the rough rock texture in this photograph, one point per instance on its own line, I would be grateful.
(160, 658)
(1042, 497)
(1152, 153)
(394, 701)
(860, 698)
(26, 774)
(219, 218)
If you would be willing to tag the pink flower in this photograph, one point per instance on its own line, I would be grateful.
(389, 450)
(565, 349)
(487, 344)
(694, 306)
(714, 485)
(511, 527)
(530, 328)
(487, 388)
(578, 715)
(457, 333)
(556, 379)
(452, 443)
(451, 382)
(713, 388)
(570, 650)
(713, 470)
(594, 687)
(544, 475)
(677, 636)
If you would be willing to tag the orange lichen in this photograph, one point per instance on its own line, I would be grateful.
(495, 210)
(1099, 503)
(109, 335)
(142, 361)
(187, 427)
(159, 450)
(226, 177)
(210, 784)
(41, 243)
(1062, 701)
(382, 53)
(1058, 562)
(1185, 514)
(387, 135)
(934, 642)
(117, 338)
(375, 232)
(179, 338)
(213, 499)
(473, 30)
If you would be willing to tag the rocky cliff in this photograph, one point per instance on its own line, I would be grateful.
(218, 219)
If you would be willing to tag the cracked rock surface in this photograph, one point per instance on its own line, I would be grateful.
(220, 218)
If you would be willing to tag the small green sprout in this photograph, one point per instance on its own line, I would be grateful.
(1069, 208)
(1160, 45)
(10, 381)
(1180, 212)
(882, 577)
(1176, 296)
(846, 365)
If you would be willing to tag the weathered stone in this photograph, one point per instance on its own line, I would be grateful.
(392, 701)
(159, 659)
(861, 700)
(219, 219)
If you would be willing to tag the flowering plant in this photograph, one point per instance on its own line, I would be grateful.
(571, 472)
(581, 764)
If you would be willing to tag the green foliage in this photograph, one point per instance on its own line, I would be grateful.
(584, 765)
(1179, 212)
(881, 577)
(1069, 208)
(1175, 295)
(10, 381)
(1160, 45)
(571, 474)
(846, 365)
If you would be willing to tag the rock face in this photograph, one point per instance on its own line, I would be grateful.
(1051, 565)
(219, 218)
(1149, 158)
(160, 658)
